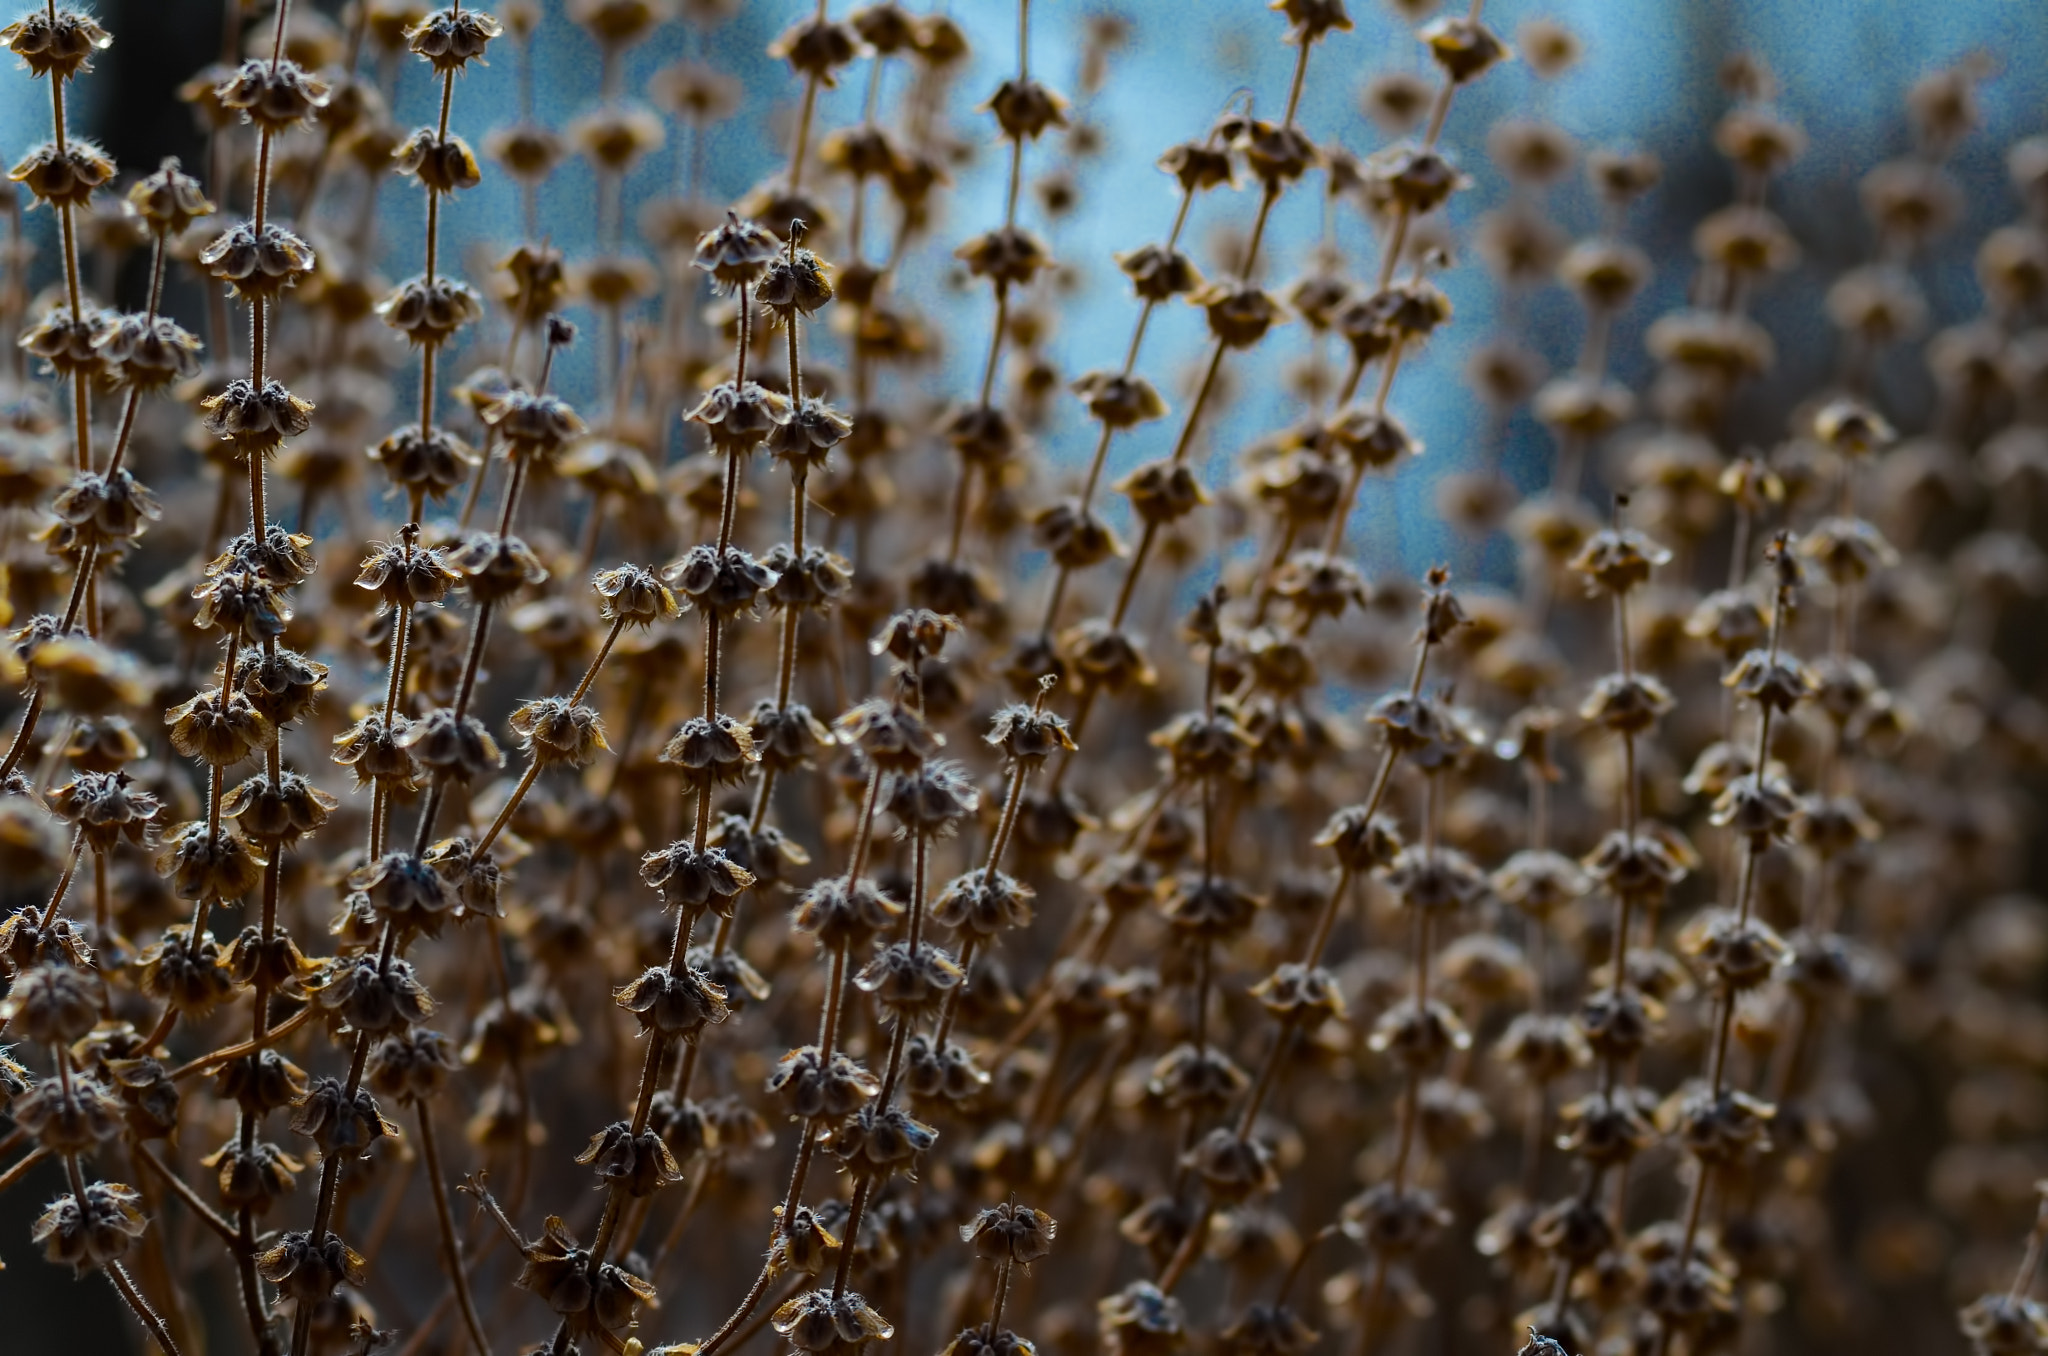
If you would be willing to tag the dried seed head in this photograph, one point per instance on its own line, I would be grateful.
(830, 1322)
(242, 604)
(677, 1005)
(58, 45)
(1910, 200)
(1239, 313)
(812, 1088)
(1395, 1221)
(1198, 165)
(984, 903)
(1758, 140)
(716, 750)
(798, 285)
(1772, 680)
(429, 312)
(411, 1066)
(691, 880)
(107, 807)
(1618, 560)
(1464, 49)
(930, 801)
(1073, 536)
(276, 96)
(1005, 256)
(494, 568)
(1645, 866)
(615, 138)
(148, 353)
(309, 1271)
(556, 732)
(1158, 273)
(725, 585)
(1024, 109)
(430, 464)
(1601, 1128)
(209, 864)
(1606, 274)
(64, 176)
(1551, 49)
(407, 892)
(1396, 101)
(639, 1164)
(739, 416)
(52, 1004)
(840, 912)
(404, 575)
(813, 429)
(1141, 1320)
(257, 264)
(70, 345)
(1539, 882)
(737, 254)
(449, 39)
(1277, 153)
(1623, 176)
(877, 1142)
(1852, 428)
(256, 1177)
(91, 1230)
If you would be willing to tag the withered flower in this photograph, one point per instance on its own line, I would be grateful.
(736, 254)
(276, 96)
(107, 807)
(92, 1230)
(57, 43)
(258, 264)
(64, 176)
(452, 38)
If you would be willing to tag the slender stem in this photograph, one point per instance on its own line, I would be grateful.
(25, 734)
(2030, 1261)
(511, 806)
(603, 653)
(206, 1214)
(836, 986)
(80, 398)
(451, 1247)
(330, 1176)
(63, 879)
(20, 1167)
(147, 1316)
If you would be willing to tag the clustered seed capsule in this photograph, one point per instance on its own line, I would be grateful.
(1603, 892)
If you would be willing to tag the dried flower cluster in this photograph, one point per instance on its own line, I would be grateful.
(533, 893)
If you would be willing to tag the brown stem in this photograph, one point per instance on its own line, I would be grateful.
(125, 1284)
(205, 1213)
(451, 1247)
(63, 880)
(20, 1167)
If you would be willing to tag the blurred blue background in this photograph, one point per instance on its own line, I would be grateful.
(1646, 80)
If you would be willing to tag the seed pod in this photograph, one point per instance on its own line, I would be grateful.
(65, 176)
(56, 44)
(430, 311)
(258, 264)
(276, 96)
(255, 1178)
(91, 1230)
(450, 39)
(640, 1164)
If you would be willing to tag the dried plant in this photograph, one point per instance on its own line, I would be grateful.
(1628, 954)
